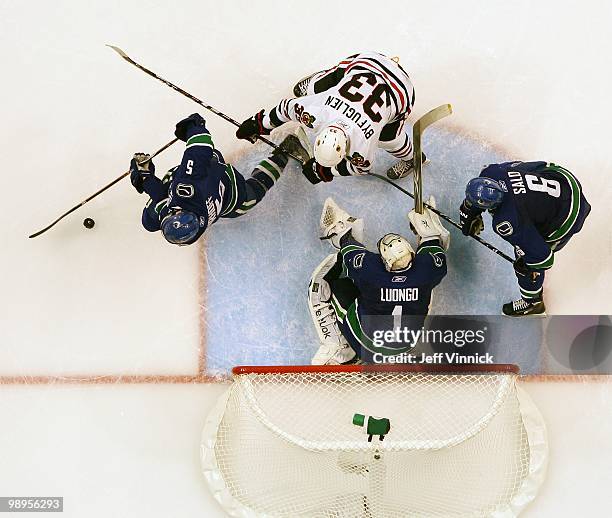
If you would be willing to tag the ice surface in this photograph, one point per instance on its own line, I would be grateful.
(528, 77)
(258, 266)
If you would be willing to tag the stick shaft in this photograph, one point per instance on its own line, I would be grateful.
(418, 129)
(447, 219)
(107, 186)
(192, 97)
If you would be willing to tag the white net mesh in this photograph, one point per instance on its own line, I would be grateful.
(286, 445)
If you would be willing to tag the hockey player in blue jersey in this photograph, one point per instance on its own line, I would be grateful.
(537, 207)
(203, 188)
(355, 294)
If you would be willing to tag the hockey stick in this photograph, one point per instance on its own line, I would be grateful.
(446, 218)
(100, 191)
(417, 131)
(192, 97)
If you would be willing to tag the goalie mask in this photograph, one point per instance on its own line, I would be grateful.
(331, 146)
(396, 252)
(180, 227)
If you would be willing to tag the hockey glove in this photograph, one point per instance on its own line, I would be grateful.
(192, 125)
(471, 221)
(251, 128)
(141, 168)
(316, 173)
(522, 270)
(427, 226)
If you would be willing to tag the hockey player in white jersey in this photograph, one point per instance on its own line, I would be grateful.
(355, 294)
(353, 108)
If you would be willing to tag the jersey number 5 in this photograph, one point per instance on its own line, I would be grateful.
(350, 91)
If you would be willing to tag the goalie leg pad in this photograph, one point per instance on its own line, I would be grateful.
(334, 348)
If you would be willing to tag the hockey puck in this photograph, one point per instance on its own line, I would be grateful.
(88, 223)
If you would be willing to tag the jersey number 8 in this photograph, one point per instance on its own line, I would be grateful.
(551, 187)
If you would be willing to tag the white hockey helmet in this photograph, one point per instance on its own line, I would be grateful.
(331, 145)
(396, 252)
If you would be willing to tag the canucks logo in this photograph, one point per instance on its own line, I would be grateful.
(358, 161)
(184, 190)
(305, 118)
(358, 260)
(504, 228)
(437, 260)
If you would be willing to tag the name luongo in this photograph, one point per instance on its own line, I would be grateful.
(399, 294)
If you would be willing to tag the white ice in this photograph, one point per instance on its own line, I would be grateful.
(527, 81)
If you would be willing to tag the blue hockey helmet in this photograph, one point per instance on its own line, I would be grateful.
(484, 193)
(180, 227)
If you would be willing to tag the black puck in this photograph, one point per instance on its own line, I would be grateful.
(88, 223)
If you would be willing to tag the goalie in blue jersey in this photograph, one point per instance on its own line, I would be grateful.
(355, 294)
(203, 188)
(536, 207)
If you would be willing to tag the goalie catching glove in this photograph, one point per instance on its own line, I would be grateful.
(427, 226)
(336, 223)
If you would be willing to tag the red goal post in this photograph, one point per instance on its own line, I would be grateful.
(433, 368)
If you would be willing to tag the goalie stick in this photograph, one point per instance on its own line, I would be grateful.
(446, 218)
(163, 148)
(417, 131)
(192, 97)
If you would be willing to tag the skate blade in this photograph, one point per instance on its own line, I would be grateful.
(539, 315)
(393, 176)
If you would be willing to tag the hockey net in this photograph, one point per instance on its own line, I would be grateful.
(463, 441)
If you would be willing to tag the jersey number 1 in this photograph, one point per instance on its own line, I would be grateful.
(397, 317)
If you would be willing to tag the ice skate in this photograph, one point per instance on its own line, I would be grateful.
(525, 308)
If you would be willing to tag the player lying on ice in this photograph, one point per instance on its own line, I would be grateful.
(354, 293)
(353, 108)
(537, 207)
(203, 188)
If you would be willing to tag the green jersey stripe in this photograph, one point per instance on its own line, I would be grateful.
(351, 248)
(355, 326)
(432, 249)
(234, 190)
(572, 216)
(204, 139)
(270, 168)
(159, 206)
(544, 264)
(529, 293)
(340, 313)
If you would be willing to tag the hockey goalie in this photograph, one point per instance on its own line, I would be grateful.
(355, 293)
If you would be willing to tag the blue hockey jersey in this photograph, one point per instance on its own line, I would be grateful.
(405, 292)
(202, 183)
(387, 300)
(541, 207)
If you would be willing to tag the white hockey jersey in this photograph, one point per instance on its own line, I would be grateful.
(369, 96)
